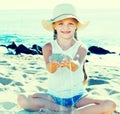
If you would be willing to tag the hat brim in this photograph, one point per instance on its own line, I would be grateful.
(47, 24)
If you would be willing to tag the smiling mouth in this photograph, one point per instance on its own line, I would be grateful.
(65, 32)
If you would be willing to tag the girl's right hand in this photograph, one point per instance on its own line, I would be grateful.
(52, 66)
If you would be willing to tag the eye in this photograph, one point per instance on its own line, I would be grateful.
(71, 24)
(60, 24)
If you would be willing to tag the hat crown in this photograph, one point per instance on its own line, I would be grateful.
(60, 12)
(64, 9)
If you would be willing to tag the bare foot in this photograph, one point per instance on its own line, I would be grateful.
(48, 111)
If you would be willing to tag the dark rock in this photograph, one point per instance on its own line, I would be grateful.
(99, 50)
(12, 46)
(37, 48)
(14, 49)
(23, 49)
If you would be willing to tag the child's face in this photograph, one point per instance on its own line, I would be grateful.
(66, 28)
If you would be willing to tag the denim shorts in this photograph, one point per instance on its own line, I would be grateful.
(68, 101)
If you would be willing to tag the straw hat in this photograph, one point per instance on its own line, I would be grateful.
(60, 12)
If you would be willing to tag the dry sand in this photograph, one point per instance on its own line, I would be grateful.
(27, 74)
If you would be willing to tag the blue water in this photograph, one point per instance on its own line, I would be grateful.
(24, 26)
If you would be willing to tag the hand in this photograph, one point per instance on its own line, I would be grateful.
(52, 66)
(72, 65)
(64, 63)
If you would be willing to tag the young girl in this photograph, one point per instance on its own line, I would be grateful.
(66, 92)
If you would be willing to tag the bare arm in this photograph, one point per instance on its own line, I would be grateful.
(81, 54)
(78, 59)
(50, 65)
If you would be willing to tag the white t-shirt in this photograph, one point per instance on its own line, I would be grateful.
(64, 83)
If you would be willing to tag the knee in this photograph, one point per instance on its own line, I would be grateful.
(22, 101)
(109, 105)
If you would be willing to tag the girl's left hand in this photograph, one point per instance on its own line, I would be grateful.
(69, 64)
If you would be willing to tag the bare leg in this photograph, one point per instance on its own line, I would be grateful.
(85, 106)
(93, 109)
(37, 101)
(89, 109)
(94, 106)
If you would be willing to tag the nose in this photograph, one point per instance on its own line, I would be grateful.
(66, 26)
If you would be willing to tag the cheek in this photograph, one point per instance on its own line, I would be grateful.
(57, 28)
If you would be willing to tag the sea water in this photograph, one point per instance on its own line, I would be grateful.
(24, 27)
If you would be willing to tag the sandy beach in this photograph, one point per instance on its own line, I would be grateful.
(27, 74)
